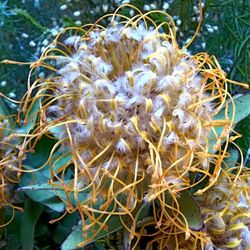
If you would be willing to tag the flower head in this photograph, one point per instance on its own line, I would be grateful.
(136, 112)
(226, 209)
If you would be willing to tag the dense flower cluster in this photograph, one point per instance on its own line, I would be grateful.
(226, 209)
(132, 94)
(137, 113)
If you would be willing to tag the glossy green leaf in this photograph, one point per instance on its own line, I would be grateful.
(35, 184)
(41, 153)
(191, 210)
(58, 160)
(242, 104)
(56, 130)
(32, 118)
(32, 212)
(113, 224)
(48, 199)
(76, 236)
(231, 161)
(44, 194)
(53, 197)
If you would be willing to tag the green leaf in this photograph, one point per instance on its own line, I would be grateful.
(52, 197)
(113, 224)
(32, 117)
(191, 210)
(59, 161)
(242, 104)
(32, 212)
(231, 161)
(44, 194)
(41, 153)
(76, 236)
(57, 131)
(35, 184)
(243, 45)
(188, 206)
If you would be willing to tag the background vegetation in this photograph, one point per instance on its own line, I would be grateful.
(27, 26)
